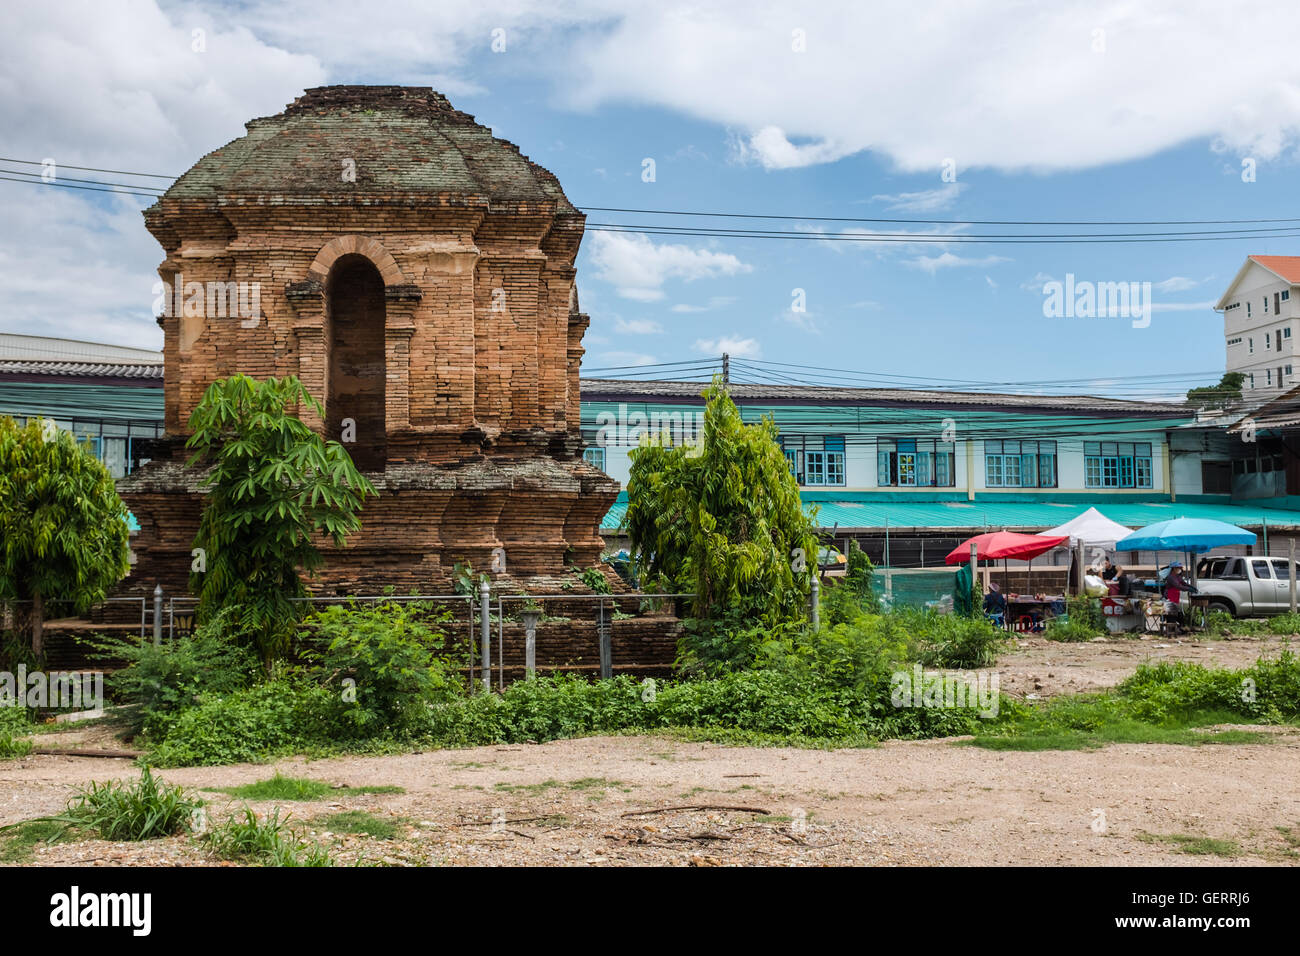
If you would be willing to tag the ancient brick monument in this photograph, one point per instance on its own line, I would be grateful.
(417, 274)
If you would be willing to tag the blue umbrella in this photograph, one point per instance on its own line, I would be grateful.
(1193, 535)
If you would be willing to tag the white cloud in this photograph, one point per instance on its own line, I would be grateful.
(93, 84)
(1207, 307)
(772, 148)
(637, 326)
(638, 267)
(985, 83)
(992, 285)
(947, 260)
(1176, 284)
(928, 200)
(731, 345)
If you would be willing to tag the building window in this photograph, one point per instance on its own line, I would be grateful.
(1268, 341)
(815, 459)
(911, 462)
(1277, 302)
(1117, 464)
(1268, 376)
(1286, 333)
(1248, 310)
(1250, 345)
(594, 456)
(1286, 294)
(1252, 379)
(1020, 464)
(1236, 341)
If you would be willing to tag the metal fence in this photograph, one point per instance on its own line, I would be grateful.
(179, 615)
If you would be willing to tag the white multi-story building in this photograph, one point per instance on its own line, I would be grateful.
(1261, 308)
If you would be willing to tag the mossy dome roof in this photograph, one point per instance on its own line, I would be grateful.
(401, 141)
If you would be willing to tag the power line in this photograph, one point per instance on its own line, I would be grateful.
(939, 237)
(88, 169)
(37, 182)
(920, 239)
(1276, 231)
(74, 179)
(944, 222)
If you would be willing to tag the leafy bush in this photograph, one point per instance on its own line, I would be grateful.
(950, 640)
(595, 580)
(1284, 624)
(161, 680)
(15, 723)
(1268, 690)
(270, 719)
(268, 842)
(767, 702)
(839, 604)
(391, 658)
(140, 811)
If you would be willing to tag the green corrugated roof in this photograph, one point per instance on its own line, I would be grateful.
(848, 513)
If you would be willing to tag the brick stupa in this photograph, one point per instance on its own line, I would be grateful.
(417, 274)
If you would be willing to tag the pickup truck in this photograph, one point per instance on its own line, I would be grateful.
(1246, 587)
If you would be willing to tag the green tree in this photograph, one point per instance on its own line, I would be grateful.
(1216, 396)
(274, 486)
(723, 520)
(63, 529)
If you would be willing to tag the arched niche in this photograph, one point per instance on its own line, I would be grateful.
(355, 320)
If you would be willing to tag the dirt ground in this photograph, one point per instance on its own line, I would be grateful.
(657, 801)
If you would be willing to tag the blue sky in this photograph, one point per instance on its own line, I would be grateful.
(1143, 112)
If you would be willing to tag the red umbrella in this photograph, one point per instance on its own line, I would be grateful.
(1004, 544)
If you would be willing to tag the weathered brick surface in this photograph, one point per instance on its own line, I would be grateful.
(430, 300)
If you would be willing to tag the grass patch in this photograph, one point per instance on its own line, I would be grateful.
(1165, 703)
(268, 842)
(365, 824)
(143, 810)
(18, 844)
(733, 737)
(1193, 845)
(280, 787)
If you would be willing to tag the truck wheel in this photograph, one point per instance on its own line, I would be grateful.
(1225, 606)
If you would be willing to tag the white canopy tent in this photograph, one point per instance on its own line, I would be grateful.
(1095, 532)
(1092, 529)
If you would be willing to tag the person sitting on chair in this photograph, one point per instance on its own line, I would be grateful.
(1114, 573)
(995, 602)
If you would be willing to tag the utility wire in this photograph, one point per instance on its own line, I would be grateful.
(74, 179)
